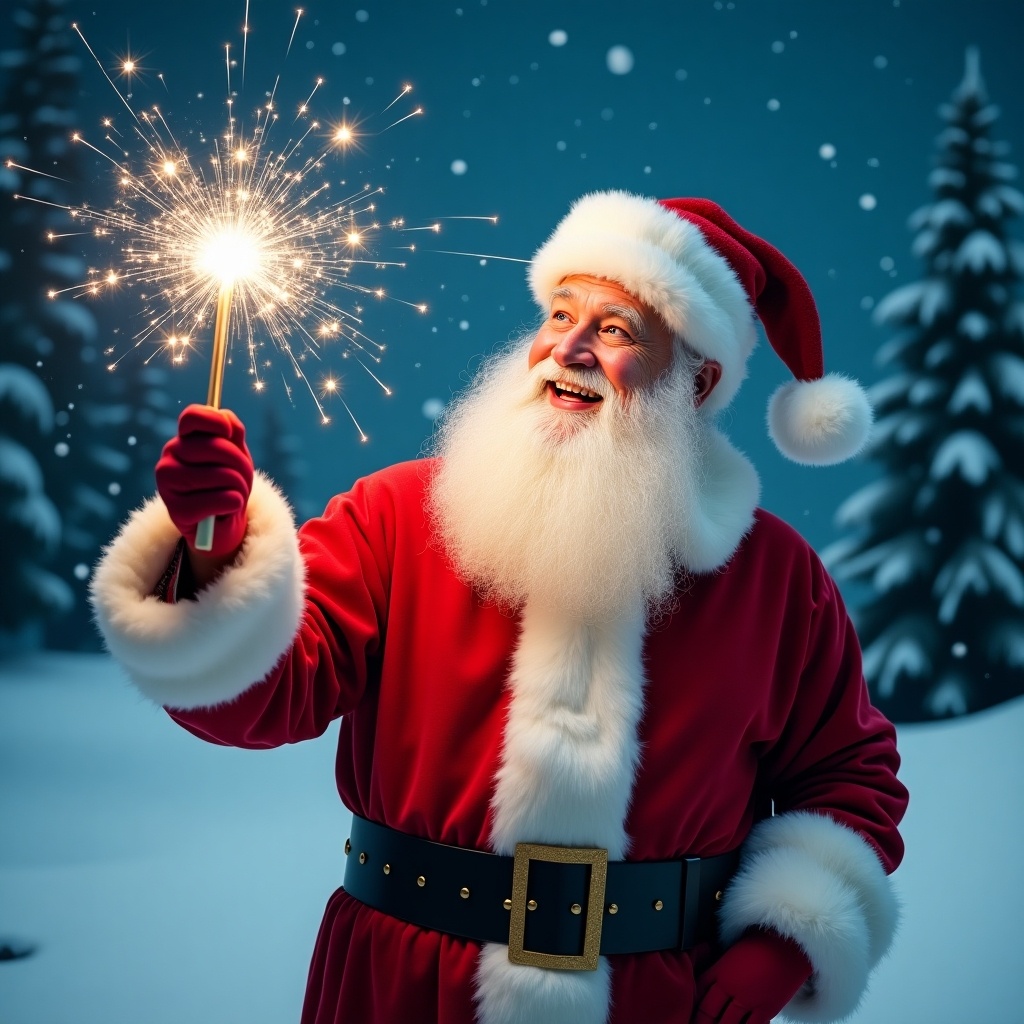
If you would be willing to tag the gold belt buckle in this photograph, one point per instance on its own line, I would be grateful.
(598, 861)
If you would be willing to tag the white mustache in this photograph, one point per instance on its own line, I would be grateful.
(548, 370)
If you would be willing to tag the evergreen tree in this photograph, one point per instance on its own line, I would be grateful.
(56, 338)
(939, 538)
(29, 522)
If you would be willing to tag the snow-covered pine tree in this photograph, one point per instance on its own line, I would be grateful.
(939, 538)
(29, 523)
(56, 338)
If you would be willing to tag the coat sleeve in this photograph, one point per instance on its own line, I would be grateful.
(817, 871)
(285, 640)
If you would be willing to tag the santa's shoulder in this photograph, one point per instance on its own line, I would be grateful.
(397, 484)
(773, 545)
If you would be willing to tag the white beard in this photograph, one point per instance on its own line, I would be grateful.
(587, 512)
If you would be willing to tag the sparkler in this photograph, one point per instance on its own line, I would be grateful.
(248, 233)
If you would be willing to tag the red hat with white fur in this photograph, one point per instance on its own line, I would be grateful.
(710, 280)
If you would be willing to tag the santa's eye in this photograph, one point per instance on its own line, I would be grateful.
(617, 332)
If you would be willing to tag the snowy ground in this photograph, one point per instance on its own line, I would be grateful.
(168, 881)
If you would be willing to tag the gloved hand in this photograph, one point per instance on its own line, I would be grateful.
(752, 980)
(207, 470)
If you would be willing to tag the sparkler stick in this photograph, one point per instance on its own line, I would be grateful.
(204, 533)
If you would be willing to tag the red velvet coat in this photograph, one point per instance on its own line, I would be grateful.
(754, 694)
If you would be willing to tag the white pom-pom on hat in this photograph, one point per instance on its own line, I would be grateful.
(820, 422)
(709, 279)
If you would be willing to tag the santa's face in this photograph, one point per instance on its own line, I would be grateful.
(597, 327)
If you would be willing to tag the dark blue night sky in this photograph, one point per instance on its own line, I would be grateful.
(734, 101)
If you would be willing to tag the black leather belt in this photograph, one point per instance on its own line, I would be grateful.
(554, 906)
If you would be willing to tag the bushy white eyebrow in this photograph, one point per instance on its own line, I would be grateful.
(631, 316)
(636, 324)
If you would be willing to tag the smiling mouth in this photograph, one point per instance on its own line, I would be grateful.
(573, 393)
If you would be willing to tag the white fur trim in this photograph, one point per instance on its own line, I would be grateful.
(724, 510)
(508, 993)
(568, 762)
(820, 422)
(818, 882)
(570, 747)
(571, 751)
(664, 261)
(207, 651)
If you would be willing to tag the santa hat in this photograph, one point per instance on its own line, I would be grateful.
(710, 280)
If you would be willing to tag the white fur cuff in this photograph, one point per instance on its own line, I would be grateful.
(818, 882)
(207, 651)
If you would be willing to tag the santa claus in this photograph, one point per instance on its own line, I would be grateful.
(604, 733)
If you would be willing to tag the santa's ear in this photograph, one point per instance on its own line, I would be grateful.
(705, 381)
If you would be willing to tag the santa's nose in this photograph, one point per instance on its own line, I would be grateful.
(575, 347)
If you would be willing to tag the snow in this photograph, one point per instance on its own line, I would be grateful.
(974, 325)
(1007, 641)
(968, 453)
(948, 211)
(18, 468)
(941, 352)
(986, 116)
(27, 393)
(1009, 372)
(946, 177)
(1008, 197)
(981, 251)
(620, 60)
(1015, 318)
(48, 589)
(925, 389)
(1016, 255)
(38, 517)
(73, 316)
(863, 505)
(1005, 172)
(971, 393)
(927, 298)
(889, 388)
(167, 880)
(979, 567)
(51, 115)
(886, 659)
(63, 265)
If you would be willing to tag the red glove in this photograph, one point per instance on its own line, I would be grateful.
(207, 471)
(752, 980)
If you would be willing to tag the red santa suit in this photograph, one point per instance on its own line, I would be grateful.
(470, 726)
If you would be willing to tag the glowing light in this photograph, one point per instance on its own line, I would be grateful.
(249, 213)
(230, 252)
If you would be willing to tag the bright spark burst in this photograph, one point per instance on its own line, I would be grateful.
(254, 213)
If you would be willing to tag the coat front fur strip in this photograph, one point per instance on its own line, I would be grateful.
(570, 755)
